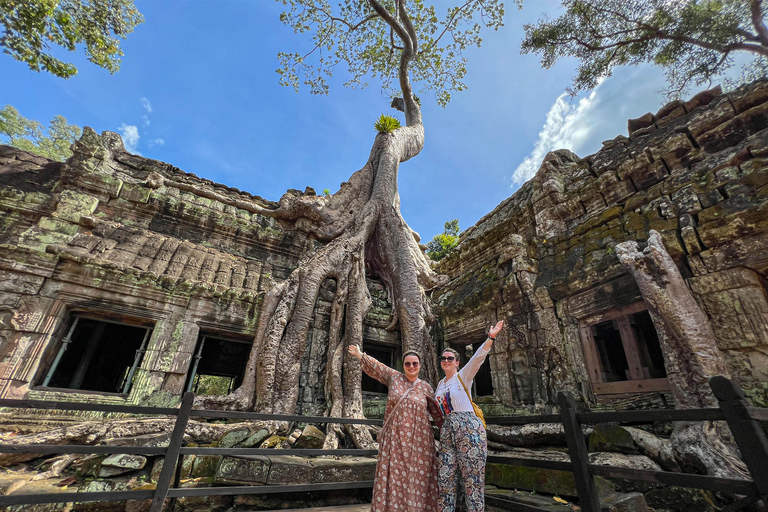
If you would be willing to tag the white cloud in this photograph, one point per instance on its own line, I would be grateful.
(130, 138)
(157, 142)
(568, 125)
(145, 118)
(145, 103)
(581, 125)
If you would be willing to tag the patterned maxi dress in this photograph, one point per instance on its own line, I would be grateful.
(406, 472)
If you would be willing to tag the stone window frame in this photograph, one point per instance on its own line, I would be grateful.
(73, 319)
(204, 333)
(637, 383)
(69, 303)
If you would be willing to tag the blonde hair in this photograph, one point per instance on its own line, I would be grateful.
(452, 351)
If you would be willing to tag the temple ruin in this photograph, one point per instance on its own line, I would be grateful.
(628, 277)
(127, 280)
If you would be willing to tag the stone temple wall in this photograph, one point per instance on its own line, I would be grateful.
(127, 239)
(118, 238)
(544, 259)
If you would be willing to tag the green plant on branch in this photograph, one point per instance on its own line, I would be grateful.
(386, 124)
(694, 41)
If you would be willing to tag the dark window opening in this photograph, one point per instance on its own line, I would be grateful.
(610, 349)
(648, 344)
(483, 384)
(218, 366)
(98, 355)
(623, 353)
(384, 355)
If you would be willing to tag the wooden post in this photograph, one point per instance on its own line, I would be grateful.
(577, 447)
(749, 436)
(172, 455)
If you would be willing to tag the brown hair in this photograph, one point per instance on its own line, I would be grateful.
(412, 353)
(452, 351)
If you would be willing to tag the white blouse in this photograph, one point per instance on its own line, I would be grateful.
(452, 390)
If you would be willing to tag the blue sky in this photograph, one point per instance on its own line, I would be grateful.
(198, 89)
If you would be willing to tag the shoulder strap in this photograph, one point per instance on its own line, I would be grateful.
(464, 386)
(392, 412)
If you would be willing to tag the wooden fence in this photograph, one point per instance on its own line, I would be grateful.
(743, 420)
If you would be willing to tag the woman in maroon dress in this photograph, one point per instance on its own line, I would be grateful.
(406, 472)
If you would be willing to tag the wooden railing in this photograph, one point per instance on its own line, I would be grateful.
(166, 486)
(743, 420)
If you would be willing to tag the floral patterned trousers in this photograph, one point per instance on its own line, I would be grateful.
(463, 450)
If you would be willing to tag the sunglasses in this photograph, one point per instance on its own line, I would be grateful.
(415, 364)
(450, 359)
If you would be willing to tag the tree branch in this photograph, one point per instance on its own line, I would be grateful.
(447, 25)
(757, 21)
(391, 21)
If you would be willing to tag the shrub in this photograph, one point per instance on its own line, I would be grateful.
(441, 245)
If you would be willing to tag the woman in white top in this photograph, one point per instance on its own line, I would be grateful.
(463, 444)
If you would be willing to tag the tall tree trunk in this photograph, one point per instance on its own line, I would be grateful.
(691, 356)
(365, 234)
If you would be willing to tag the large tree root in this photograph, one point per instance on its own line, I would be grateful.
(118, 432)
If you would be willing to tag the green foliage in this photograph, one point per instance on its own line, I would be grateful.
(213, 385)
(442, 244)
(353, 34)
(326, 191)
(29, 29)
(386, 124)
(694, 41)
(28, 135)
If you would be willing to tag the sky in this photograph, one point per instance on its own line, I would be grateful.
(198, 89)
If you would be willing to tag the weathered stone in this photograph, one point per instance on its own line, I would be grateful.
(703, 98)
(101, 486)
(631, 502)
(119, 464)
(347, 469)
(539, 480)
(641, 122)
(234, 437)
(255, 439)
(243, 470)
(311, 438)
(606, 437)
(680, 499)
(289, 469)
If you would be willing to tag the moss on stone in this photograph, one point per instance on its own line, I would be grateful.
(539, 480)
(611, 438)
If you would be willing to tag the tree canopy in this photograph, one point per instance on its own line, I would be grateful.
(30, 30)
(442, 244)
(26, 134)
(359, 35)
(694, 41)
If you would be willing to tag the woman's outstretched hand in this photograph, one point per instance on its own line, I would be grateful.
(355, 351)
(496, 329)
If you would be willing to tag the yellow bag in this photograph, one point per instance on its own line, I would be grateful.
(477, 409)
